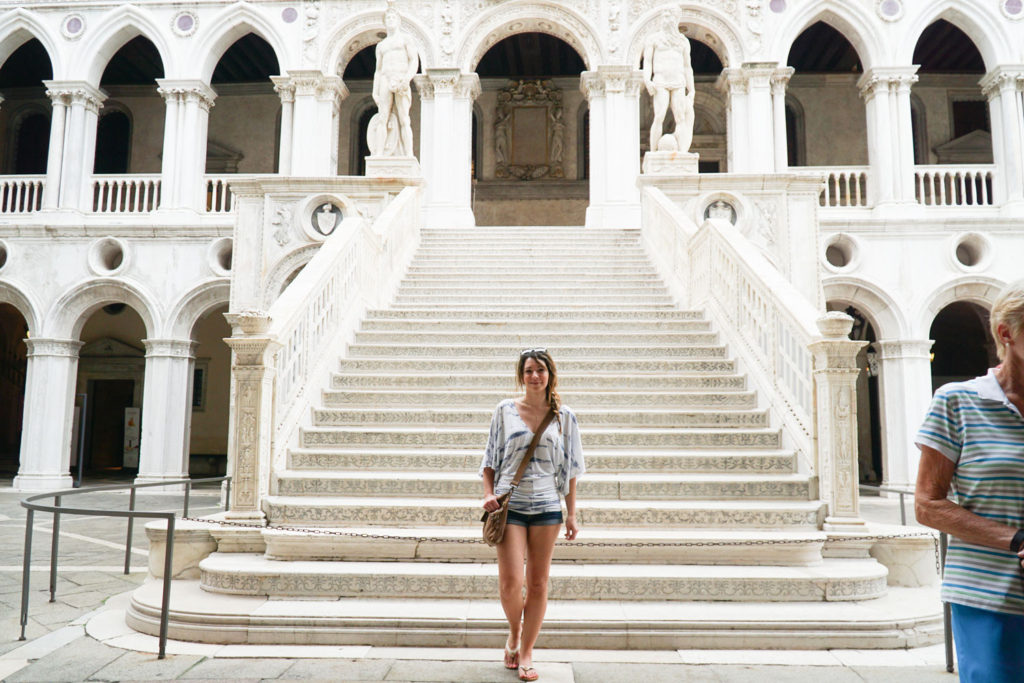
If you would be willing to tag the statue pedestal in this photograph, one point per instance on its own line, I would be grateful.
(670, 163)
(392, 167)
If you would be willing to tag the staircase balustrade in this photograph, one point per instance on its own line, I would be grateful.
(126, 194)
(21, 194)
(954, 185)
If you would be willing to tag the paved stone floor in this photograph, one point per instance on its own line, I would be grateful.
(92, 587)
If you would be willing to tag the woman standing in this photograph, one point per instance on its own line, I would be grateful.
(973, 441)
(534, 510)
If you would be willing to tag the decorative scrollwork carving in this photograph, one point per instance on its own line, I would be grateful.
(520, 96)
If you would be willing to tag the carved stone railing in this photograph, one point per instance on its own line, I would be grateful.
(219, 198)
(845, 186)
(125, 193)
(21, 193)
(799, 358)
(963, 185)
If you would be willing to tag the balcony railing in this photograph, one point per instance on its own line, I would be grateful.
(845, 186)
(954, 185)
(219, 198)
(21, 193)
(126, 193)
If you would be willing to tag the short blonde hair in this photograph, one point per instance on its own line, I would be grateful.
(1008, 310)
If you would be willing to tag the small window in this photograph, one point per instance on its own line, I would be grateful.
(968, 116)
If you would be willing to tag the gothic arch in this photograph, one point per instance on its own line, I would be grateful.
(709, 26)
(18, 297)
(194, 304)
(524, 16)
(227, 27)
(70, 312)
(850, 19)
(288, 265)
(362, 30)
(359, 108)
(19, 26)
(978, 290)
(974, 19)
(886, 316)
(116, 29)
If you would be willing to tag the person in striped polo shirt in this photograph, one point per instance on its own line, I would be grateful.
(972, 441)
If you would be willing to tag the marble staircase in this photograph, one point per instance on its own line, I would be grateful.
(690, 499)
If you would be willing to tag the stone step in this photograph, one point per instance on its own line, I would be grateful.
(534, 326)
(436, 416)
(250, 574)
(739, 462)
(513, 279)
(527, 315)
(579, 400)
(594, 486)
(562, 354)
(471, 270)
(653, 340)
(527, 252)
(336, 511)
(498, 375)
(592, 437)
(528, 291)
(565, 311)
(512, 299)
(605, 546)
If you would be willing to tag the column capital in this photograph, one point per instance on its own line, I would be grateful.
(445, 81)
(186, 90)
(611, 78)
(284, 87)
(1003, 77)
(780, 78)
(732, 81)
(76, 92)
(169, 348)
(60, 348)
(312, 83)
(885, 78)
(898, 349)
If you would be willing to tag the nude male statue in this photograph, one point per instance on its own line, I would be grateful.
(668, 76)
(397, 63)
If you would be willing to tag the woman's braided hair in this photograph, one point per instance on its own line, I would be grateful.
(551, 391)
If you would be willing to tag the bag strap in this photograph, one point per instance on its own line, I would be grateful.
(533, 446)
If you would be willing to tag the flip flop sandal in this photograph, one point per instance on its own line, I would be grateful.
(511, 657)
(528, 673)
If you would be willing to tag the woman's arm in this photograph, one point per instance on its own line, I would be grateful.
(571, 528)
(934, 510)
(490, 500)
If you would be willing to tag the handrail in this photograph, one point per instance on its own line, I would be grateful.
(131, 513)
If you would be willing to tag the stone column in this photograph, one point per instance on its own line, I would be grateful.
(55, 155)
(185, 131)
(72, 143)
(613, 94)
(734, 85)
(49, 414)
(251, 418)
(313, 126)
(284, 88)
(886, 93)
(166, 410)
(835, 383)
(779, 82)
(760, 112)
(905, 390)
(1002, 87)
(446, 146)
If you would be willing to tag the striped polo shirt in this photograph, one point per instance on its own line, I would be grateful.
(973, 424)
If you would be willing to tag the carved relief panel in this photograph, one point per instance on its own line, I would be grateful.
(529, 131)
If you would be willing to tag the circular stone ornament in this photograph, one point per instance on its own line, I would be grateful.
(1012, 9)
(777, 6)
(184, 24)
(73, 26)
(326, 218)
(289, 15)
(890, 10)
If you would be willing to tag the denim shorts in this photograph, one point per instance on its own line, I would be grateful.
(539, 519)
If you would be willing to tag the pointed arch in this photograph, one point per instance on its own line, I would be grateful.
(886, 316)
(227, 27)
(523, 16)
(854, 22)
(113, 31)
(69, 313)
(194, 304)
(985, 30)
(713, 28)
(978, 290)
(362, 30)
(18, 296)
(19, 26)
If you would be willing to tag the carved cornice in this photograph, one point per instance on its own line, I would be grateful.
(611, 79)
(899, 349)
(251, 351)
(447, 82)
(70, 93)
(1003, 77)
(170, 348)
(60, 348)
(187, 91)
(733, 82)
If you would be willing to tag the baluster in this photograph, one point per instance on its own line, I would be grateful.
(102, 185)
(4, 208)
(985, 179)
(17, 197)
(961, 178)
(943, 196)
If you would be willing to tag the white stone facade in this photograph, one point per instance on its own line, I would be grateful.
(906, 239)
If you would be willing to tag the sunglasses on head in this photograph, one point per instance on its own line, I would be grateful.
(527, 352)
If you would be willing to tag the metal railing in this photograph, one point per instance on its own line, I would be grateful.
(131, 513)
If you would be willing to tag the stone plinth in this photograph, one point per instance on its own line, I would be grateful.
(392, 167)
(670, 163)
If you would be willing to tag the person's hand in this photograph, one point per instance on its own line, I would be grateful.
(491, 502)
(571, 528)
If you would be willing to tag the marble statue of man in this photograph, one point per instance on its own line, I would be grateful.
(668, 76)
(397, 63)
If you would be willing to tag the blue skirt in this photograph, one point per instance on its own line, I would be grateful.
(989, 645)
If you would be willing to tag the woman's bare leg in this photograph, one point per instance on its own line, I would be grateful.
(511, 554)
(540, 546)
